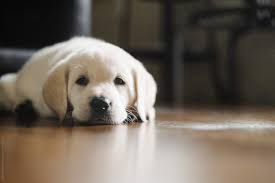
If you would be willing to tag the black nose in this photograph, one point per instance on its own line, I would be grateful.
(100, 105)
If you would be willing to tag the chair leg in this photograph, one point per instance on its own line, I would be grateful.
(214, 67)
(168, 37)
(233, 96)
(125, 12)
(177, 69)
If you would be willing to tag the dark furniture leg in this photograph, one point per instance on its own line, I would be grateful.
(214, 67)
(125, 17)
(168, 27)
(177, 70)
(233, 89)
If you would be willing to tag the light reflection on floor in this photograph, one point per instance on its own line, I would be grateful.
(245, 125)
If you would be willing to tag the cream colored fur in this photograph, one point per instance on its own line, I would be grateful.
(48, 80)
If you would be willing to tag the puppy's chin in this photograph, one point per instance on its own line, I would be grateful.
(103, 120)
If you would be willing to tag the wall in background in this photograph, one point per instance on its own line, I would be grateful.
(256, 51)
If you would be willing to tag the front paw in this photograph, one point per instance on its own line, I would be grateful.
(25, 113)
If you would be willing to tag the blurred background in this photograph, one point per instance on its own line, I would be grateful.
(199, 51)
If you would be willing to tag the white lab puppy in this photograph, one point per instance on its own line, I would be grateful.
(92, 79)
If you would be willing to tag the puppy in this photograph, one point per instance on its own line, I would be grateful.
(92, 80)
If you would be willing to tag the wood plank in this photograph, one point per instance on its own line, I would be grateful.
(184, 145)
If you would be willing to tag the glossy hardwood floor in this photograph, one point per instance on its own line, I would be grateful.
(194, 145)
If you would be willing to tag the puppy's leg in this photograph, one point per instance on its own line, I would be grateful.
(8, 91)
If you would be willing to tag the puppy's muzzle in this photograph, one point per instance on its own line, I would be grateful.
(100, 106)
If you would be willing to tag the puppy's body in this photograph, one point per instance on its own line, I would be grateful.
(48, 80)
(27, 84)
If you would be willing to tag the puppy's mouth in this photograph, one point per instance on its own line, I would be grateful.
(97, 120)
(102, 120)
(132, 117)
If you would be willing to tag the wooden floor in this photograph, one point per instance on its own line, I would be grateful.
(192, 145)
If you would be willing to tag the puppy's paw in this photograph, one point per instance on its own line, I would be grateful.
(25, 113)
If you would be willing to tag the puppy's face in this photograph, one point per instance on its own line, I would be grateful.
(102, 86)
(100, 89)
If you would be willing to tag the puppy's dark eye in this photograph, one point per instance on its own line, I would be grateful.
(119, 81)
(82, 80)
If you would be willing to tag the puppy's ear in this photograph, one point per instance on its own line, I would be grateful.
(146, 90)
(55, 88)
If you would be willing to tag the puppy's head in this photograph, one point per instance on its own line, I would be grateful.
(103, 86)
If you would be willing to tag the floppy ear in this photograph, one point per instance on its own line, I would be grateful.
(55, 89)
(146, 90)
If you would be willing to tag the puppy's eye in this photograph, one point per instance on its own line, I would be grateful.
(119, 81)
(82, 80)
